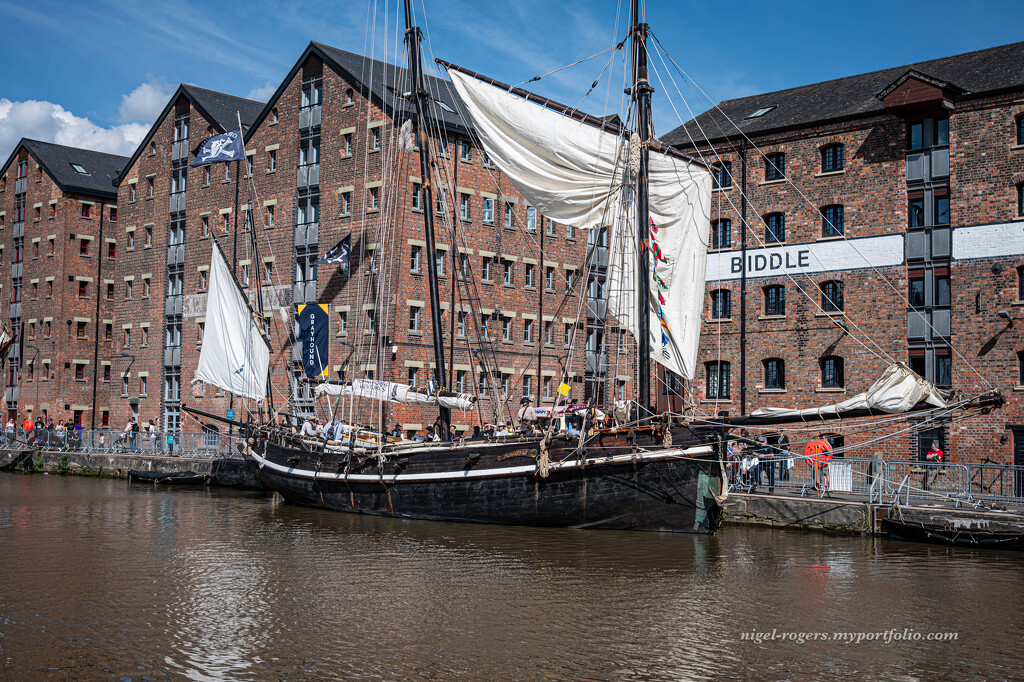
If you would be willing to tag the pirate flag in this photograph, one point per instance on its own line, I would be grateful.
(226, 147)
(341, 253)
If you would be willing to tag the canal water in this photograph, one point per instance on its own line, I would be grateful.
(100, 579)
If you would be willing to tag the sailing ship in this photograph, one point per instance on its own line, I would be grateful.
(646, 471)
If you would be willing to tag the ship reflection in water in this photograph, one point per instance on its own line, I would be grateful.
(103, 580)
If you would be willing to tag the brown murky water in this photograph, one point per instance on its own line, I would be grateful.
(102, 580)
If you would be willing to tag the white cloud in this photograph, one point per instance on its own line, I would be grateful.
(145, 102)
(49, 122)
(262, 94)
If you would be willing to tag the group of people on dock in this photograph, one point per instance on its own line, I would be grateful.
(751, 462)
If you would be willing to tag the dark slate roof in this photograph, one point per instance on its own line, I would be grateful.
(387, 80)
(381, 81)
(56, 160)
(970, 74)
(216, 107)
(222, 108)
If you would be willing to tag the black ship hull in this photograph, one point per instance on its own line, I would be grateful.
(916, 531)
(605, 486)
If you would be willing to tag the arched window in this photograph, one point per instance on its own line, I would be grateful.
(721, 308)
(775, 374)
(721, 234)
(1020, 129)
(832, 221)
(832, 158)
(775, 166)
(775, 228)
(717, 386)
(832, 296)
(832, 372)
(775, 300)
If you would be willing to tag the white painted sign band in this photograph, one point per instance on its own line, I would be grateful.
(988, 241)
(800, 259)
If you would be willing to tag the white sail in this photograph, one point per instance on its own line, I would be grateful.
(898, 390)
(575, 173)
(234, 356)
(396, 393)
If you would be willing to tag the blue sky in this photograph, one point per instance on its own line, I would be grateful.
(96, 73)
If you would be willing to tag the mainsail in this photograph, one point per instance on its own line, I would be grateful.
(235, 356)
(576, 173)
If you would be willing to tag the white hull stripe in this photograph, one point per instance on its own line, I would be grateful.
(484, 473)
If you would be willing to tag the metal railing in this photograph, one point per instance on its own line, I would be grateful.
(966, 482)
(103, 441)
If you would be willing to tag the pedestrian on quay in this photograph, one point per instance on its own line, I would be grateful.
(933, 462)
(9, 432)
(767, 466)
(60, 434)
(784, 457)
(733, 460)
(129, 428)
(26, 426)
(151, 429)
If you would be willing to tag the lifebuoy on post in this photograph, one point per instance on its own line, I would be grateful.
(817, 453)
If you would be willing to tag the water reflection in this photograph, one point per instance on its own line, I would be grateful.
(106, 580)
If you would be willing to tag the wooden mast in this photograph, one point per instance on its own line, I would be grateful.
(419, 97)
(641, 93)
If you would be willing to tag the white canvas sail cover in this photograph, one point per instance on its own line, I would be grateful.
(396, 393)
(577, 174)
(234, 356)
(898, 390)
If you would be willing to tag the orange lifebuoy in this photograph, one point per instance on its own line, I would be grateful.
(817, 453)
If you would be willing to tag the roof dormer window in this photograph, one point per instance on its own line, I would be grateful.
(761, 112)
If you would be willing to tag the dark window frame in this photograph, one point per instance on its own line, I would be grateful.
(721, 234)
(717, 379)
(833, 221)
(832, 293)
(774, 374)
(775, 166)
(775, 300)
(833, 158)
(832, 372)
(774, 228)
(721, 304)
(722, 175)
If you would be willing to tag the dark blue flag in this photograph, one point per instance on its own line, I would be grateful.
(226, 148)
(341, 253)
(315, 325)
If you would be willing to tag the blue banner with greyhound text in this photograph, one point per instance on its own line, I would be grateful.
(315, 323)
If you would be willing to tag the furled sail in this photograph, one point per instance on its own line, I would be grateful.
(396, 393)
(235, 356)
(898, 390)
(576, 173)
(6, 341)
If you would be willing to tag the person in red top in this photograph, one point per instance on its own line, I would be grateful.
(933, 460)
(26, 426)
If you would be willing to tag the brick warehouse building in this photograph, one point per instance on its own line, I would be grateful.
(58, 221)
(884, 214)
(324, 162)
